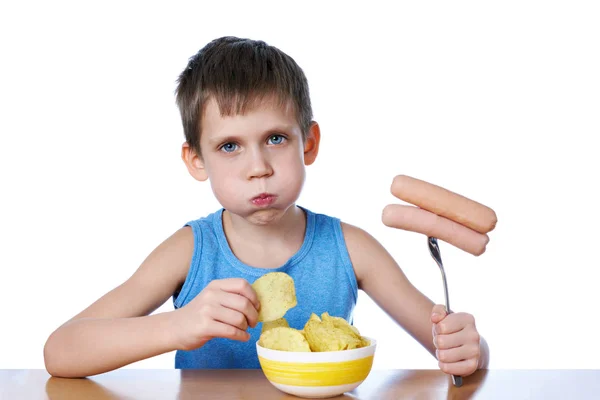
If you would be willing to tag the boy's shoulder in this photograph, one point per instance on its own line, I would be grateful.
(364, 250)
(355, 238)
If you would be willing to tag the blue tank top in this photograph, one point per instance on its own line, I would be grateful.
(322, 272)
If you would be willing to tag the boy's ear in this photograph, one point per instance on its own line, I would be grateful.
(193, 162)
(311, 144)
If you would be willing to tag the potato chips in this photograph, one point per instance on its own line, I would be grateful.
(277, 295)
(274, 324)
(283, 338)
(331, 335)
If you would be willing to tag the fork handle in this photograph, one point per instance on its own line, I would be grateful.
(434, 249)
(456, 379)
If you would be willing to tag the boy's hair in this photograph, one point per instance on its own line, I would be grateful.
(238, 74)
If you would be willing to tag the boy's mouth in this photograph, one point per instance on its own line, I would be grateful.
(263, 199)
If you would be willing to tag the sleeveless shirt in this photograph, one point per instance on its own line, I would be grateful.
(323, 276)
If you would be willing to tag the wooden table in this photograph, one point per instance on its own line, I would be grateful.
(251, 384)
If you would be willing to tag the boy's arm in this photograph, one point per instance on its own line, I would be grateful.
(115, 330)
(381, 278)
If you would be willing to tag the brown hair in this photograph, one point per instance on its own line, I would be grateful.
(239, 73)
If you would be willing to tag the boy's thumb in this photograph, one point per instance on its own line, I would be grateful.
(438, 313)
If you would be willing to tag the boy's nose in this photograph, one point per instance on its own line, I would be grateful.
(259, 166)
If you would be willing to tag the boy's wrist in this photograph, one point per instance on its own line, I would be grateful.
(167, 330)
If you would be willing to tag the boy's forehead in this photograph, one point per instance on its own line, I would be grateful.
(264, 113)
(242, 105)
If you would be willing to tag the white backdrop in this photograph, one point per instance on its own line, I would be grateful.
(499, 102)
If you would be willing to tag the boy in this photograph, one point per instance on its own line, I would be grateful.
(248, 125)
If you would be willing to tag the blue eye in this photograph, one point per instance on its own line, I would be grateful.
(229, 147)
(276, 139)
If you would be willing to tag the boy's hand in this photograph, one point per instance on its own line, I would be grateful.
(225, 308)
(456, 340)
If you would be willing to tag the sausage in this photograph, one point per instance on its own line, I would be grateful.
(411, 218)
(445, 203)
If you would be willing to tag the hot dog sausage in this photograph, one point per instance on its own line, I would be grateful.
(445, 203)
(415, 219)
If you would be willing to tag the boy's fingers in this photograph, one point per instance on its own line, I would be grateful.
(461, 368)
(450, 341)
(458, 354)
(230, 317)
(219, 329)
(242, 287)
(454, 322)
(240, 304)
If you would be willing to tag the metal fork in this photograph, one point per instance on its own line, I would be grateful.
(434, 249)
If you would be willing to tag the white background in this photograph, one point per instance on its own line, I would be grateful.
(497, 101)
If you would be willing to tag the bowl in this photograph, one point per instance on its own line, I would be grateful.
(317, 374)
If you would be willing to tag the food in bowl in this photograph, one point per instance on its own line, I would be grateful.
(327, 357)
(274, 324)
(332, 334)
(284, 338)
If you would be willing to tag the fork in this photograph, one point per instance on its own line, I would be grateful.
(434, 249)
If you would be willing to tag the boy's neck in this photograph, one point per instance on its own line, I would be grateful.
(285, 234)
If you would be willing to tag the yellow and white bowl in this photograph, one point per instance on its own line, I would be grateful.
(316, 374)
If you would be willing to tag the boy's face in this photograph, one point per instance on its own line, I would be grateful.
(255, 162)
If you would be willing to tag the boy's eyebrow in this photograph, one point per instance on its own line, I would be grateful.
(235, 138)
(222, 139)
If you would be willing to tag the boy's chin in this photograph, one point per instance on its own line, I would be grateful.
(263, 216)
